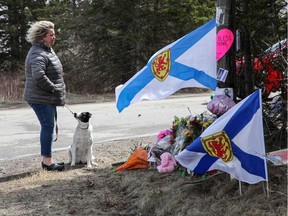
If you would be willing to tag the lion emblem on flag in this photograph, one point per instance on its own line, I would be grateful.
(161, 65)
(218, 145)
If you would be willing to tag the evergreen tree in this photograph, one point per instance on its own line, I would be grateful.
(115, 39)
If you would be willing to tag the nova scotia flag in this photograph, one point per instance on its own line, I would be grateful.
(188, 62)
(234, 143)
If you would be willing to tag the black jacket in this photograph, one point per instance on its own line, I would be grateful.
(44, 76)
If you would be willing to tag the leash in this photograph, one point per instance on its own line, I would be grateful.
(57, 129)
(69, 109)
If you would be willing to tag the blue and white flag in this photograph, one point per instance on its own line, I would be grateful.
(234, 143)
(188, 62)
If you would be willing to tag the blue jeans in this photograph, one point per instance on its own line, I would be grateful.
(46, 116)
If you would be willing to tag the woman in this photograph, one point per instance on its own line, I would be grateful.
(44, 86)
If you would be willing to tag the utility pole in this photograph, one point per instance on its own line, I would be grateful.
(225, 48)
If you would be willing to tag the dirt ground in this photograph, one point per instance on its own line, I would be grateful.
(25, 189)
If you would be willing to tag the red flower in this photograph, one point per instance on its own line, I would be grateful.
(273, 80)
(257, 65)
(273, 75)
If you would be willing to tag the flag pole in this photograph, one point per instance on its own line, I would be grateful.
(240, 188)
(240, 184)
(268, 191)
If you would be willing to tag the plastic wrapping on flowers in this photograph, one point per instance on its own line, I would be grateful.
(163, 144)
(184, 131)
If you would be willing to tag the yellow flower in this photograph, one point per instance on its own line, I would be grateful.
(206, 124)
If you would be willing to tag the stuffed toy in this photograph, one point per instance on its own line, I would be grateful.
(168, 163)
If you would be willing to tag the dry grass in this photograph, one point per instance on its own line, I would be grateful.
(139, 192)
(100, 191)
(11, 88)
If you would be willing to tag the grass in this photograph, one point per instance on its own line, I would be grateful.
(11, 88)
(140, 192)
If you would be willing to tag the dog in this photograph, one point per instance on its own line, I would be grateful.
(81, 149)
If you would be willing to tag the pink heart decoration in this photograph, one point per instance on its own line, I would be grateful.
(224, 41)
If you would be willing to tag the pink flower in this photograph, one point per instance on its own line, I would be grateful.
(164, 133)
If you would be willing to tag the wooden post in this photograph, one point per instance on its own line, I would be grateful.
(226, 49)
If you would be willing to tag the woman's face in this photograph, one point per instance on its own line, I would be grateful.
(50, 37)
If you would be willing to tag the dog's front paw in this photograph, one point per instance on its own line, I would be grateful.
(72, 164)
(94, 163)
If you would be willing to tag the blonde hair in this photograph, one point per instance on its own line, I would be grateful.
(38, 30)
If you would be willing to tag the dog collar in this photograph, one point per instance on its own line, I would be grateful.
(84, 128)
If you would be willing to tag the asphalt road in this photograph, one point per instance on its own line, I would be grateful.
(19, 127)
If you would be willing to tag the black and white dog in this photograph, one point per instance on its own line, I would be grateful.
(81, 149)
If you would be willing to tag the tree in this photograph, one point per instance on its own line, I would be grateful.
(115, 39)
(15, 17)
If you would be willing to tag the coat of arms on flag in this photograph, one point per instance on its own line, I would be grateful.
(218, 145)
(161, 65)
(234, 143)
